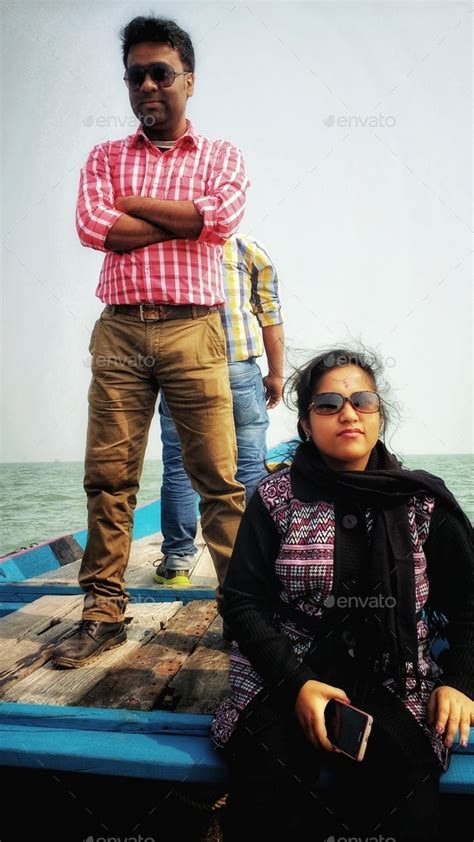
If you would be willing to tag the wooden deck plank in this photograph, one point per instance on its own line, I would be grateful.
(28, 634)
(25, 593)
(142, 574)
(80, 718)
(141, 680)
(143, 552)
(34, 618)
(156, 756)
(47, 684)
(140, 568)
(204, 572)
(204, 565)
(202, 682)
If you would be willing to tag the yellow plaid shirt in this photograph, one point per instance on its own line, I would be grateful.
(252, 298)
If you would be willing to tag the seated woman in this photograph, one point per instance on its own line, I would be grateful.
(345, 569)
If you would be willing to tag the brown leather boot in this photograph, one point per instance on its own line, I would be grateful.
(88, 642)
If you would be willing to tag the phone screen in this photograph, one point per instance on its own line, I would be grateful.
(345, 727)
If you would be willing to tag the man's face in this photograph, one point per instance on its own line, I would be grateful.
(160, 110)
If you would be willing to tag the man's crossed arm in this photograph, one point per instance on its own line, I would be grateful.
(146, 221)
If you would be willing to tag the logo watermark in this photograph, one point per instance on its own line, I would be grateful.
(360, 601)
(118, 603)
(148, 361)
(378, 838)
(138, 361)
(360, 121)
(331, 360)
(117, 121)
(138, 838)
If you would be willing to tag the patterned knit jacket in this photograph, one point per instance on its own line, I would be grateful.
(304, 569)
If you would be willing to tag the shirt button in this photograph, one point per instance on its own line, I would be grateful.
(349, 521)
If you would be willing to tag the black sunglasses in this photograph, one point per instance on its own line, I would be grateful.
(162, 74)
(330, 403)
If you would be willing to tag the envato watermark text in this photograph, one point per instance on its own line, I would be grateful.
(138, 361)
(138, 838)
(332, 360)
(358, 121)
(379, 601)
(378, 838)
(117, 121)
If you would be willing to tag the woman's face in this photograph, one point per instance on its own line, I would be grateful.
(346, 439)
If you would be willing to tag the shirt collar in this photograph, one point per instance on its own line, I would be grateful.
(190, 139)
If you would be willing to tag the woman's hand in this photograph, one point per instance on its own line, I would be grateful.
(448, 710)
(309, 708)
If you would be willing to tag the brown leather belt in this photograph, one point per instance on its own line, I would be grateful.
(161, 312)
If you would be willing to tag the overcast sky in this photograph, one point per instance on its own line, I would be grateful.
(354, 121)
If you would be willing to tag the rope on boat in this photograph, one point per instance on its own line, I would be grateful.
(203, 806)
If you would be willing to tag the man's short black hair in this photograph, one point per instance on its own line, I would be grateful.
(162, 31)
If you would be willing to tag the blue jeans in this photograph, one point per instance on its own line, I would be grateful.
(179, 503)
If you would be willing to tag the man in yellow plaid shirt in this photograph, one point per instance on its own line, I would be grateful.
(252, 323)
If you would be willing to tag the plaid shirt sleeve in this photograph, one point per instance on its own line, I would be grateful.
(223, 207)
(95, 212)
(264, 298)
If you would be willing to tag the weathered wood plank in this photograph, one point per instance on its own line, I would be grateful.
(25, 592)
(35, 618)
(202, 682)
(73, 717)
(28, 634)
(156, 756)
(143, 552)
(142, 575)
(67, 687)
(66, 549)
(140, 568)
(204, 568)
(139, 682)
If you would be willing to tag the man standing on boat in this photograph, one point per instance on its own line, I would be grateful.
(160, 204)
(252, 322)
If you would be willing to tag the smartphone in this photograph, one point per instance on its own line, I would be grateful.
(348, 728)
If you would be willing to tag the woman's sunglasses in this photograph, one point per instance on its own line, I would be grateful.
(330, 403)
(162, 74)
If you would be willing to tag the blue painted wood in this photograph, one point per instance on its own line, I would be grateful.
(147, 520)
(103, 719)
(155, 744)
(9, 607)
(27, 563)
(81, 537)
(27, 592)
(35, 560)
(282, 451)
(171, 757)
(161, 757)
(459, 779)
(123, 719)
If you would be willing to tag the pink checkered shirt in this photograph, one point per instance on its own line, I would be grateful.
(209, 173)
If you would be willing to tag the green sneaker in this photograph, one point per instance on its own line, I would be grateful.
(171, 578)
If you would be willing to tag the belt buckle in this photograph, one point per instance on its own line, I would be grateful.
(159, 307)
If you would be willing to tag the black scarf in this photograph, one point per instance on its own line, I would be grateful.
(385, 486)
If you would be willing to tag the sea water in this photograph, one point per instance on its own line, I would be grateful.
(44, 499)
